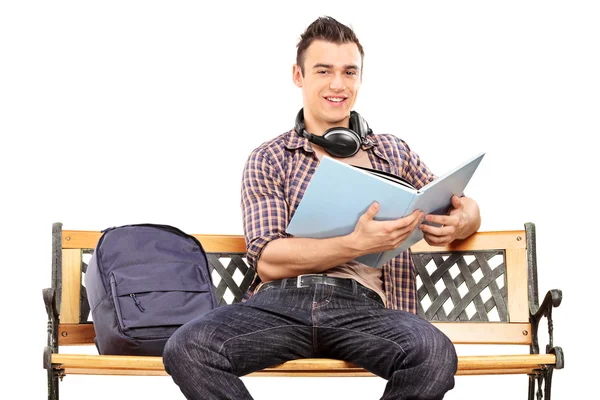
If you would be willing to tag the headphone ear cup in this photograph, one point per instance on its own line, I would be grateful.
(359, 125)
(341, 142)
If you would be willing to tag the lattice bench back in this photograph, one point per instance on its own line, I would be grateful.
(485, 281)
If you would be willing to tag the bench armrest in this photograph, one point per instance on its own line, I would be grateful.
(50, 302)
(52, 311)
(552, 300)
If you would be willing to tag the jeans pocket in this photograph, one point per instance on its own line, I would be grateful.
(370, 299)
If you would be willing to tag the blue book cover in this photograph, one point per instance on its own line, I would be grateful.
(339, 193)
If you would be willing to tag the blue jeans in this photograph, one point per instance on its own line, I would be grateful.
(206, 356)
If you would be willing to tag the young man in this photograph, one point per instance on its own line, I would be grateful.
(311, 299)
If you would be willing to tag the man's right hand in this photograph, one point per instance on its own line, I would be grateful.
(373, 236)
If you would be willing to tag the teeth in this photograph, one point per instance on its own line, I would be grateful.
(335, 99)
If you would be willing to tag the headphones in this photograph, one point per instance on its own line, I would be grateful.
(338, 141)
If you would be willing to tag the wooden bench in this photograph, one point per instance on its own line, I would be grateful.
(479, 291)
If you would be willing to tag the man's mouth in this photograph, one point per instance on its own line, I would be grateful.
(336, 100)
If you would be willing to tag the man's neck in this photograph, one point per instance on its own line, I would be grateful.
(320, 128)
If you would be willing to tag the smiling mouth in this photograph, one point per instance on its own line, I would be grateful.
(337, 100)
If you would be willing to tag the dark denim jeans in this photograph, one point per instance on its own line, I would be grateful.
(206, 356)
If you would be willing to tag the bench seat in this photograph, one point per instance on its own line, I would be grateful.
(141, 365)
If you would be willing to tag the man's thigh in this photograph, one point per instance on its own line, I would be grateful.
(257, 334)
(376, 338)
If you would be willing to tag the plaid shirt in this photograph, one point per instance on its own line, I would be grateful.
(275, 178)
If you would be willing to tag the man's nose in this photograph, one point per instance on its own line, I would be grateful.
(337, 82)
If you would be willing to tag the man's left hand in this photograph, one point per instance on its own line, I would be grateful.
(452, 226)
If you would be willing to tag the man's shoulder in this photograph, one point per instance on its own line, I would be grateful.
(388, 141)
(278, 141)
(273, 148)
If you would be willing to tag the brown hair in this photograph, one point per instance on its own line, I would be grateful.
(328, 30)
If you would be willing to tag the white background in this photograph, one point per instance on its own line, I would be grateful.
(119, 112)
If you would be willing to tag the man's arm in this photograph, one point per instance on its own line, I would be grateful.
(462, 221)
(290, 257)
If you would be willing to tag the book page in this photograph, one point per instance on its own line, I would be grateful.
(388, 176)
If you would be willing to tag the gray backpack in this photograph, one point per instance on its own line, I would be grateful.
(143, 282)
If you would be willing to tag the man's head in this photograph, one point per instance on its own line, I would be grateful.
(329, 70)
(329, 30)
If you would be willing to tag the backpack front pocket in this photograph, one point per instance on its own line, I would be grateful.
(159, 296)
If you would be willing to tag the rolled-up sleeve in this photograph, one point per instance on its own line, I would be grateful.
(264, 208)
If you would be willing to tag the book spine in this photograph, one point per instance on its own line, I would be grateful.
(410, 209)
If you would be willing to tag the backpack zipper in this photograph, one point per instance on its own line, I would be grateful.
(137, 302)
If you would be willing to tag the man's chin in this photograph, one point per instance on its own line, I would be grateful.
(339, 119)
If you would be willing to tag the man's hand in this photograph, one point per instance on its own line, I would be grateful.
(458, 224)
(373, 236)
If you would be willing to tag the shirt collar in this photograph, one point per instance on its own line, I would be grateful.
(295, 141)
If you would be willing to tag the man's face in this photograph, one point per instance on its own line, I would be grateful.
(330, 84)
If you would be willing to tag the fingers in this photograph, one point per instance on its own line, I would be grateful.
(438, 236)
(440, 231)
(436, 240)
(371, 211)
(413, 218)
(456, 202)
(402, 227)
(385, 235)
(439, 219)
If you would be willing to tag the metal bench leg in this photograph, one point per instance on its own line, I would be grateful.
(52, 347)
(52, 385)
(544, 391)
(548, 385)
(531, 387)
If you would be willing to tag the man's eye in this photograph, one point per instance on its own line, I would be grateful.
(322, 71)
(351, 73)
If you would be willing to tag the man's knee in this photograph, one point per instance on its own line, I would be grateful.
(186, 346)
(439, 351)
(430, 347)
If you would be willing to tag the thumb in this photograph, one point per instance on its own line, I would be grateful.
(456, 202)
(372, 210)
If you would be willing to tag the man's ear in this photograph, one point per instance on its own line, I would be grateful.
(297, 75)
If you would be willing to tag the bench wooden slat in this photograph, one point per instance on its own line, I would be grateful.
(136, 365)
(76, 334)
(320, 373)
(73, 239)
(516, 277)
(513, 371)
(71, 282)
(480, 241)
(486, 332)
(363, 373)
(458, 332)
(113, 371)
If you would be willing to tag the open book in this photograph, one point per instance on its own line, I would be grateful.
(339, 193)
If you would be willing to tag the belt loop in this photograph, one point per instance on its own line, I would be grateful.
(354, 287)
(283, 283)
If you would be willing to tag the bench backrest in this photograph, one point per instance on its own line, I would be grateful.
(477, 290)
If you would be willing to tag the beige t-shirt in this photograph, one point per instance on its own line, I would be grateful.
(363, 274)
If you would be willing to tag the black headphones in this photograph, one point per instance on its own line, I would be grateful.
(338, 141)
